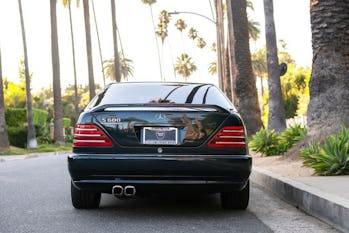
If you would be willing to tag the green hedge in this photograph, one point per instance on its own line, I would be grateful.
(16, 120)
(15, 116)
(18, 116)
(17, 136)
(66, 122)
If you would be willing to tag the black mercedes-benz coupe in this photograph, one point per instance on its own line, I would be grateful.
(160, 137)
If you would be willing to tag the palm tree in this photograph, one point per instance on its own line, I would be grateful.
(185, 67)
(4, 142)
(76, 96)
(243, 81)
(253, 26)
(91, 81)
(31, 138)
(212, 68)
(328, 109)
(98, 40)
(117, 73)
(253, 29)
(56, 83)
(220, 43)
(150, 3)
(277, 117)
(193, 33)
(180, 25)
(162, 30)
(200, 42)
(125, 65)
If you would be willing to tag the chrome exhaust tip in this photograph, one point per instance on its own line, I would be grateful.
(117, 190)
(129, 191)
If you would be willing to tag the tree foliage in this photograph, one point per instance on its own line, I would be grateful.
(294, 84)
(126, 68)
(185, 66)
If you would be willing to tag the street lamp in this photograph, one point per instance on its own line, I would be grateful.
(192, 13)
(219, 42)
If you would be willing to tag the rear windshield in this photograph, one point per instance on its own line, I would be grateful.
(177, 93)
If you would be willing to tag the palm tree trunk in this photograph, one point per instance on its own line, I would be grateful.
(4, 141)
(328, 109)
(57, 96)
(91, 80)
(220, 45)
(276, 118)
(115, 41)
(156, 41)
(76, 96)
(244, 81)
(99, 41)
(31, 139)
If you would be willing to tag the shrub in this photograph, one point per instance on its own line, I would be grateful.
(331, 158)
(270, 143)
(40, 117)
(43, 134)
(17, 136)
(18, 116)
(292, 135)
(66, 122)
(15, 116)
(265, 142)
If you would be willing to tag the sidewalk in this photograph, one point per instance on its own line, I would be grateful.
(6, 158)
(324, 197)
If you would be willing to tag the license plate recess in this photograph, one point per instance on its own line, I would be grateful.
(160, 135)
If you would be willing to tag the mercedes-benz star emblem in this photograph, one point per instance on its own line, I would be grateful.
(160, 116)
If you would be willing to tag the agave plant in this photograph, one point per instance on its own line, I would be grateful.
(331, 158)
(292, 135)
(265, 142)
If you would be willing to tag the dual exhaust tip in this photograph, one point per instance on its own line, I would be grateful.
(127, 191)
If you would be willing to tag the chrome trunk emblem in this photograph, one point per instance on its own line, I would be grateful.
(160, 116)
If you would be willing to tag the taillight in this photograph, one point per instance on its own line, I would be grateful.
(229, 137)
(90, 135)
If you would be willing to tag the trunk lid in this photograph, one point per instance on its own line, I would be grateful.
(147, 126)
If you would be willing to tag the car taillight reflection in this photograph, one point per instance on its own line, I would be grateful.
(229, 137)
(90, 135)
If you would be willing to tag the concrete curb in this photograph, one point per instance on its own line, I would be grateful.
(329, 208)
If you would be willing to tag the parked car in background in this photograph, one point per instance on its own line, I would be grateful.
(160, 137)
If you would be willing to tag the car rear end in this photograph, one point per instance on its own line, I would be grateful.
(143, 138)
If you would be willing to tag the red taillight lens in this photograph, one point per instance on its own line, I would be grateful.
(90, 135)
(229, 137)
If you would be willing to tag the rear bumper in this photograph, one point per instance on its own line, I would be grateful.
(154, 173)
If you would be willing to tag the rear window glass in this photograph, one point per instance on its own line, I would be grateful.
(144, 93)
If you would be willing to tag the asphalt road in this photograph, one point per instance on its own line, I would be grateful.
(35, 197)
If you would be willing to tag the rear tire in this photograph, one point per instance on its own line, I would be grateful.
(82, 199)
(236, 200)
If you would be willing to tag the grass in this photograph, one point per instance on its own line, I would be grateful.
(41, 148)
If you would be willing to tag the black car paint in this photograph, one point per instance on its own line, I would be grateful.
(190, 166)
